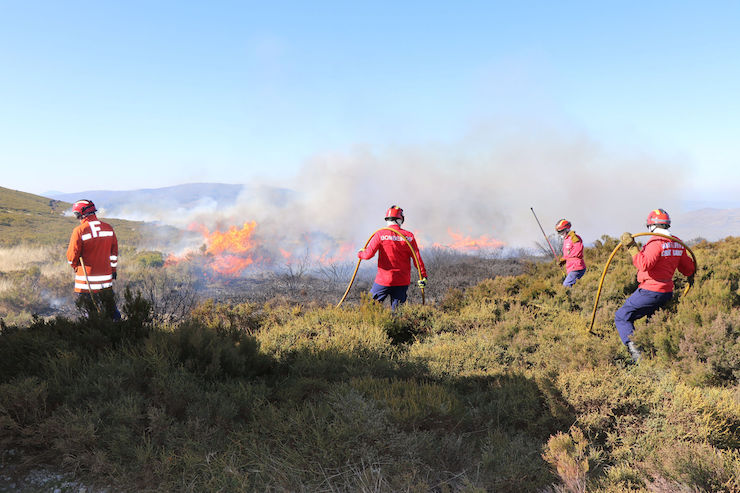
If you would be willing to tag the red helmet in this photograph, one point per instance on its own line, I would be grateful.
(394, 212)
(83, 208)
(562, 225)
(659, 217)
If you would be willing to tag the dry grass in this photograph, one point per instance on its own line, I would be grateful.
(5, 285)
(50, 260)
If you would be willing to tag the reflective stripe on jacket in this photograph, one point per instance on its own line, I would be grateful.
(96, 242)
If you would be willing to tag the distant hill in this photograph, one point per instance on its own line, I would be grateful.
(187, 196)
(712, 224)
(147, 204)
(166, 203)
(33, 219)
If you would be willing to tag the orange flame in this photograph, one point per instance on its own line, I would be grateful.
(232, 251)
(232, 241)
(468, 243)
(230, 265)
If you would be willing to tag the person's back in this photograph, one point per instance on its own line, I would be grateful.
(93, 254)
(394, 257)
(397, 247)
(572, 257)
(95, 242)
(658, 261)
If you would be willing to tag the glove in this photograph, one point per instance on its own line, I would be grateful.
(422, 283)
(561, 262)
(690, 279)
(627, 240)
(114, 274)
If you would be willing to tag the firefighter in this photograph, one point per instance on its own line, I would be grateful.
(394, 260)
(94, 244)
(656, 263)
(572, 257)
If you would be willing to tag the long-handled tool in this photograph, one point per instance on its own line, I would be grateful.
(609, 260)
(554, 255)
(416, 262)
(89, 288)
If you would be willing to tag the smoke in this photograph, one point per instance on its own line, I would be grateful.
(483, 185)
(480, 186)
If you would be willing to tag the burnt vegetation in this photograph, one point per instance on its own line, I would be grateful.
(261, 384)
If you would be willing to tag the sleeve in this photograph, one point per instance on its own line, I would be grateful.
(74, 250)
(648, 256)
(114, 252)
(422, 269)
(369, 251)
(686, 265)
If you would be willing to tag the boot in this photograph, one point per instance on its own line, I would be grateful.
(634, 351)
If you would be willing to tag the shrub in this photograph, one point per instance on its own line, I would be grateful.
(567, 454)
(245, 317)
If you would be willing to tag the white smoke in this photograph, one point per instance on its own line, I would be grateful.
(483, 185)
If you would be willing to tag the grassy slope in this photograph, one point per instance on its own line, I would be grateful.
(498, 388)
(31, 219)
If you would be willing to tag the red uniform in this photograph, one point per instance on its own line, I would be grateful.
(96, 242)
(658, 260)
(395, 258)
(573, 252)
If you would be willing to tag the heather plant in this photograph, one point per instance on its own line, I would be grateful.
(246, 317)
(492, 386)
(567, 454)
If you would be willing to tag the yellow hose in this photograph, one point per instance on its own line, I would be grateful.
(354, 274)
(609, 260)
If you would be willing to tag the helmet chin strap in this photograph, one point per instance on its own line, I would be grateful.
(653, 227)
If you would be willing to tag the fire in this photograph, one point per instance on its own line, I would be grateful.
(231, 265)
(468, 243)
(229, 252)
(232, 241)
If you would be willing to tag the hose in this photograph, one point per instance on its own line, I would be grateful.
(354, 274)
(609, 260)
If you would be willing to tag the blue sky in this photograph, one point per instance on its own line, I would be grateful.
(126, 95)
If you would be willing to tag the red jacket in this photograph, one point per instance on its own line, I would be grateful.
(573, 252)
(395, 258)
(658, 260)
(96, 242)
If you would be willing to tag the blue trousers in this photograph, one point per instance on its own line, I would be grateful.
(641, 303)
(572, 277)
(397, 293)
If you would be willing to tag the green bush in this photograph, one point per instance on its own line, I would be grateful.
(499, 387)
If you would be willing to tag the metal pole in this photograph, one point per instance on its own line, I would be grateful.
(555, 255)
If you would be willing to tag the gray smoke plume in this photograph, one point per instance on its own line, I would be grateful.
(482, 186)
